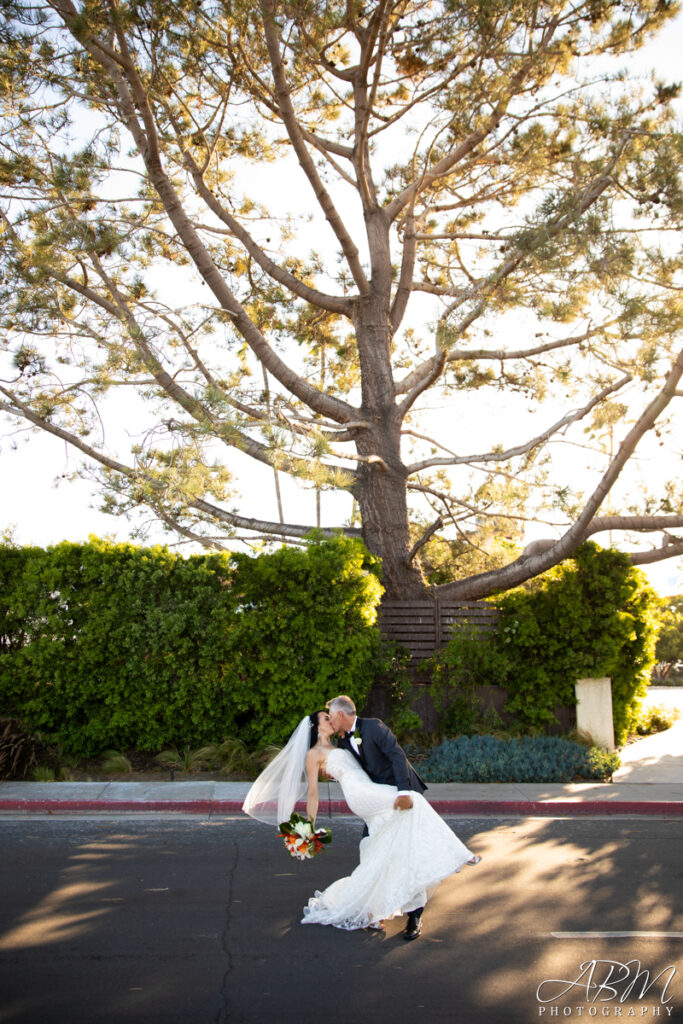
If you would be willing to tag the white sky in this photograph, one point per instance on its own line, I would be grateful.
(43, 508)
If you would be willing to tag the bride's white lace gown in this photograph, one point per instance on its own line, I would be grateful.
(402, 860)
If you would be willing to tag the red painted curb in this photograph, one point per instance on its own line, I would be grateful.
(182, 806)
(559, 807)
(516, 807)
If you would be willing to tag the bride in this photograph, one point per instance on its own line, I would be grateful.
(402, 859)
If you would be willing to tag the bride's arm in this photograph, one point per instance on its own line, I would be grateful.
(312, 769)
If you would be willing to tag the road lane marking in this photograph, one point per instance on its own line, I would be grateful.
(616, 935)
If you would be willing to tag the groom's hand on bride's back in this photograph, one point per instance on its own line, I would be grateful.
(403, 803)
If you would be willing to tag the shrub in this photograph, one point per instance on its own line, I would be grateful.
(113, 761)
(669, 651)
(656, 719)
(392, 668)
(117, 647)
(524, 759)
(187, 760)
(594, 615)
(406, 724)
(232, 755)
(303, 631)
(602, 763)
(17, 750)
(469, 659)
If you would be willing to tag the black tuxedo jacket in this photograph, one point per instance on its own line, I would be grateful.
(382, 757)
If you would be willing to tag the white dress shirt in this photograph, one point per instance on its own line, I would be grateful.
(352, 737)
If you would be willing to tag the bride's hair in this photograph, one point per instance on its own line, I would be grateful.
(313, 719)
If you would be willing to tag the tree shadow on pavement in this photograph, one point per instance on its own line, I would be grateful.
(191, 922)
(490, 932)
(116, 922)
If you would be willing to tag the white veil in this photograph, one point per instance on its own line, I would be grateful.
(282, 783)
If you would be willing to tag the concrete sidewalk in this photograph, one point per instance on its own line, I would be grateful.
(216, 798)
(656, 759)
(650, 781)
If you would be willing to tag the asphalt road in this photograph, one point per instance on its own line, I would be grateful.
(185, 921)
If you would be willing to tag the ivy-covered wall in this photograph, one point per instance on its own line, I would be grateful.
(116, 646)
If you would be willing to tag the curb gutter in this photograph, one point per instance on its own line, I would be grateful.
(534, 808)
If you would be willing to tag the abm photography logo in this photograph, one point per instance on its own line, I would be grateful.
(601, 988)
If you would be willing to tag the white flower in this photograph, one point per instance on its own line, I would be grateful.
(303, 829)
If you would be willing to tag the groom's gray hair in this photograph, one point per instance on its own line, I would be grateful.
(343, 703)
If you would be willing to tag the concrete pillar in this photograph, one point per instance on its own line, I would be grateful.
(594, 719)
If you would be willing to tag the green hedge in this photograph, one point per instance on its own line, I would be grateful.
(116, 646)
(594, 615)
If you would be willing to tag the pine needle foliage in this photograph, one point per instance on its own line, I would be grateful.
(286, 232)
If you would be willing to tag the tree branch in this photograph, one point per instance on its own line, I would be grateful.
(403, 292)
(377, 33)
(226, 432)
(657, 554)
(473, 510)
(306, 163)
(437, 364)
(482, 290)
(443, 167)
(333, 303)
(436, 525)
(522, 449)
(132, 97)
(184, 531)
(15, 407)
(643, 524)
(524, 569)
(264, 526)
(456, 355)
(587, 196)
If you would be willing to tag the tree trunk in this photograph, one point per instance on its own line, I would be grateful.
(380, 489)
(381, 496)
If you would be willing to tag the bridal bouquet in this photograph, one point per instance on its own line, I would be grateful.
(301, 839)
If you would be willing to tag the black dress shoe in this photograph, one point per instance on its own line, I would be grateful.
(413, 928)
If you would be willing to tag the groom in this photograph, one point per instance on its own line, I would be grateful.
(378, 751)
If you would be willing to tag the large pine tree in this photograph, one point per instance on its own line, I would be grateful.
(487, 161)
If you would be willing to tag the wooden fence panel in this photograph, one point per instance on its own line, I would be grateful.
(424, 626)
